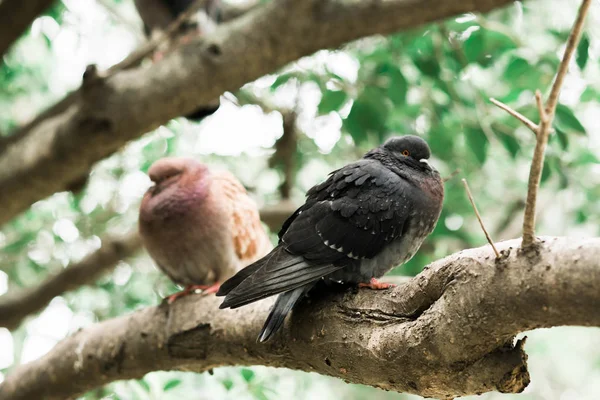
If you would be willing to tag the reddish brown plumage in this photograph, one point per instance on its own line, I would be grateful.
(199, 226)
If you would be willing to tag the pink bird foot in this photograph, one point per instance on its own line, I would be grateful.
(157, 56)
(376, 285)
(206, 289)
(212, 289)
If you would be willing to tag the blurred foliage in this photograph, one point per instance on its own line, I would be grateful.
(434, 81)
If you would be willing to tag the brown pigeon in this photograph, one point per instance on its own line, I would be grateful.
(199, 226)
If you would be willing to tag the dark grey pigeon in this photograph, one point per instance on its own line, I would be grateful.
(365, 219)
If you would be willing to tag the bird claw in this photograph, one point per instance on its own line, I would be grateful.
(374, 284)
(212, 289)
(206, 289)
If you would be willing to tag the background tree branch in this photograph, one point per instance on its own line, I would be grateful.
(15, 18)
(15, 307)
(448, 332)
(63, 147)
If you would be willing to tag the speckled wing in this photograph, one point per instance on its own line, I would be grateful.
(357, 211)
(249, 237)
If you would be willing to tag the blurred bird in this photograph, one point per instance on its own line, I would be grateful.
(366, 218)
(157, 15)
(199, 226)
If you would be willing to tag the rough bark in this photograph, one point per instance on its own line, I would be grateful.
(448, 332)
(15, 17)
(61, 148)
(15, 307)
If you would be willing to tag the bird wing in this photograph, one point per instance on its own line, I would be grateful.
(250, 240)
(354, 213)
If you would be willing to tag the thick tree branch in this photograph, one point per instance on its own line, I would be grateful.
(14, 308)
(15, 17)
(63, 147)
(448, 332)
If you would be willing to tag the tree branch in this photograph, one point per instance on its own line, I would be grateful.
(15, 17)
(395, 340)
(109, 113)
(543, 131)
(526, 121)
(14, 308)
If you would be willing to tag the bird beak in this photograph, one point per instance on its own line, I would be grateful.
(424, 161)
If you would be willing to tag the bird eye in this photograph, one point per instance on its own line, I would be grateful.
(405, 153)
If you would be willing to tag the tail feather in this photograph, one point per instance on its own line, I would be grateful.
(244, 273)
(283, 305)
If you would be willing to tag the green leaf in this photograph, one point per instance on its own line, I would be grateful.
(331, 100)
(227, 383)
(478, 143)
(523, 75)
(583, 51)
(589, 94)
(171, 384)
(510, 143)
(546, 171)
(581, 217)
(428, 65)
(247, 374)
(567, 121)
(144, 385)
(484, 46)
(368, 116)
(283, 79)
(397, 86)
(563, 138)
(516, 67)
(586, 158)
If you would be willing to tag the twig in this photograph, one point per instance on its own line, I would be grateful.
(487, 235)
(572, 43)
(452, 175)
(546, 118)
(526, 121)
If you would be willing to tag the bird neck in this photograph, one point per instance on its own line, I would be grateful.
(176, 200)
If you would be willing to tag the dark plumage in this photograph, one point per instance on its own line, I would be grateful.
(366, 218)
(157, 15)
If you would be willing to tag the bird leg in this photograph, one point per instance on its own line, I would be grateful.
(376, 285)
(206, 289)
(214, 288)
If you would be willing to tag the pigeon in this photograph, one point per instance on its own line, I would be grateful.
(366, 218)
(157, 15)
(199, 226)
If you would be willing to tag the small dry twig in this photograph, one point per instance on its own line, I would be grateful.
(526, 121)
(452, 175)
(487, 235)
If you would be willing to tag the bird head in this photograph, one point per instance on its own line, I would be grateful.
(171, 171)
(409, 150)
(178, 184)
